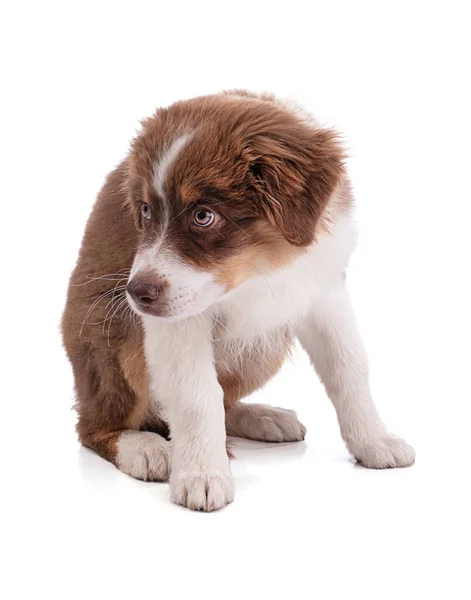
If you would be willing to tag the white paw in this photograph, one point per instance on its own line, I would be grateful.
(206, 491)
(385, 452)
(144, 455)
(264, 423)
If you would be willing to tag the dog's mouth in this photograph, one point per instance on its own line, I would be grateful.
(160, 308)
(174, 307)
(164, 293)
(146, 309)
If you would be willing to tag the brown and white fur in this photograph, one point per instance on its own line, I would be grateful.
(223, 236)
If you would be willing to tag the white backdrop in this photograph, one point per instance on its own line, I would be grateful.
(76, 78)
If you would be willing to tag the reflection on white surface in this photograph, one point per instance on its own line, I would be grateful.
(302, 513)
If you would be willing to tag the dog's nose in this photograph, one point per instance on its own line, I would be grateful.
(144, 292)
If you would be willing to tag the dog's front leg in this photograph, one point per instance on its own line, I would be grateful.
(329, 335)
(184, 383)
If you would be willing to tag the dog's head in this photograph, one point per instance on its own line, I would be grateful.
(223, 188)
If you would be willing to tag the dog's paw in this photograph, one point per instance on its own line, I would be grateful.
(205, 491)
(385, 452)
(144, 455)
(264, 423)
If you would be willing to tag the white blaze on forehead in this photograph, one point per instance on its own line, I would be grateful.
(168, 158)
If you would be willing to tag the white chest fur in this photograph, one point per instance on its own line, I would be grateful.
(265, 303)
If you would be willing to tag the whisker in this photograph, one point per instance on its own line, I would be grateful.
(129, 313)
(94, 303)
(123, 302)
(231, 334)
(267, 283)
(238, 226)
(239, 344)
(180, 213)
(92, 306)
(115, 300)
(112, 301)
(221, 203)
(106, 277)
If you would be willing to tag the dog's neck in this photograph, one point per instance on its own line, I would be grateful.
(269, 301)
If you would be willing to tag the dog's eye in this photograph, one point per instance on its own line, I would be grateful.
(203, 217)
(145, 211)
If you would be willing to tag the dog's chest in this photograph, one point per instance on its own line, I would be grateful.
(269, 302)
(260, 309)
(244, 365)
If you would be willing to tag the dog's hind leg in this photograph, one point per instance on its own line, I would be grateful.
(263, 423)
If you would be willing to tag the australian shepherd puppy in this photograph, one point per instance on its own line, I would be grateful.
(222, 237)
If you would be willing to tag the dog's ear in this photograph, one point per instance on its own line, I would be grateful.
(133, 189)
(135, 196)
(294, 172)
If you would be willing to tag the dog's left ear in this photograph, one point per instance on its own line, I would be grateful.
(294, 172)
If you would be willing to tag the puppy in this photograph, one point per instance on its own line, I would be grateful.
(222, 237)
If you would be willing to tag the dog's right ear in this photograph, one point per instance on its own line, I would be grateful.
(294, 170)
